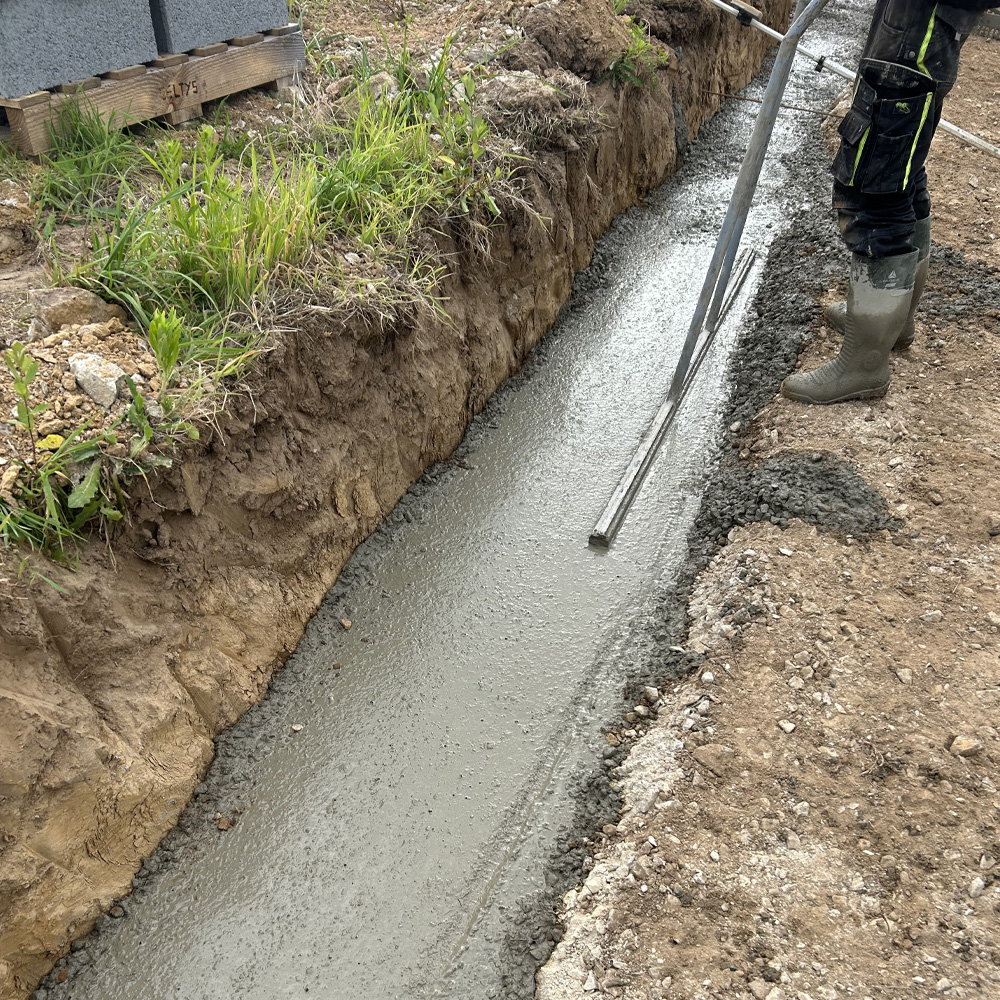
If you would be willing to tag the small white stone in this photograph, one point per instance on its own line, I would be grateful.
(98, 378)
(786, 552)
(801, 808)
(786, 725)
(708, 677)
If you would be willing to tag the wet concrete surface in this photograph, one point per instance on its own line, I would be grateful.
(411, 838)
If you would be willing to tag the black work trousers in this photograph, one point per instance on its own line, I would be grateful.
(908, 67)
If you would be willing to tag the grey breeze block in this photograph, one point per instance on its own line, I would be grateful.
(47, 42)
(186, 24)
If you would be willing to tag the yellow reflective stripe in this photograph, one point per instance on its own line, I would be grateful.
(916, 138)
(857, 158)
(922, 55)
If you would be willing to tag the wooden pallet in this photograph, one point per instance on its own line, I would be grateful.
(173, 87)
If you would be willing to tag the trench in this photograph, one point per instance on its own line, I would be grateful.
(396, 802)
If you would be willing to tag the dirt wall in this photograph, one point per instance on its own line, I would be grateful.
(112, 692)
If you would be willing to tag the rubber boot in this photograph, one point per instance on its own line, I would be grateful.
(836, 312)
(878, 305)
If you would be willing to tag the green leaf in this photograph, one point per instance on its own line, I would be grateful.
(87, 490)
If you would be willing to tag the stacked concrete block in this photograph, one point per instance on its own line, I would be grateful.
(44, 43)
(182, 25)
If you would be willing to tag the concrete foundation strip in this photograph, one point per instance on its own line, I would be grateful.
(711, 303)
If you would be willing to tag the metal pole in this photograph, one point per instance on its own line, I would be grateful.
(746, 186)
(822, 62)
(716, 281)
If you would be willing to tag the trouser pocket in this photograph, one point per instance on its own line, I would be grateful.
(883, 141)
(855, 131)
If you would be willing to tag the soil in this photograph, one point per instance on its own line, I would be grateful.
(112, 690)
(812, 813)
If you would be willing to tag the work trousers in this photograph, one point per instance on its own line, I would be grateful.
(909, 65)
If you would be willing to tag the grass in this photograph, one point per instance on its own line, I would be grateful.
(89, 158)
(200, 237)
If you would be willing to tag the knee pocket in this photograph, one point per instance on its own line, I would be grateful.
(881, 139)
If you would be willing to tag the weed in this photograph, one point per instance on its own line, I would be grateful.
(640, 60)
(165, 334)
(90, 158)
(39, 504)
(67, 485)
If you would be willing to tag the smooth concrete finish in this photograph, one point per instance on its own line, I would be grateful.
(391, 847)
(44, 43)
(185, 24)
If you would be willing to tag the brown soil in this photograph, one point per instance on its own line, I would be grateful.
(815, 815)
(111, 693)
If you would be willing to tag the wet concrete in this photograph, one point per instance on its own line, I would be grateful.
(401, 843)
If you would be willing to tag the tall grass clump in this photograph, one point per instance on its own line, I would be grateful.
(90, 158)
(209, 239)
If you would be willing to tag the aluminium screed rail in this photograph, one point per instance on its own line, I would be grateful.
(711, 303)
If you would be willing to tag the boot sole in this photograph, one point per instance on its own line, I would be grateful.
(876, 393)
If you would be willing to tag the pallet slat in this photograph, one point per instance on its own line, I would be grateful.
(210, 50)
(125, 73)
(90, 83)
(176, 91)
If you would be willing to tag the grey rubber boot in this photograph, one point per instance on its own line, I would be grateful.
(878, 305)
(836, 312)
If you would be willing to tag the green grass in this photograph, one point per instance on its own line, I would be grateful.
(89, 159)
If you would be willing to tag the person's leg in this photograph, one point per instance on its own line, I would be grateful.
(909, 63)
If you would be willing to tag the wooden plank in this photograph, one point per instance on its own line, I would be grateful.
(90, 83)
(171, 89)
(125, 74)
(285, 29)
(184, 115)
(18, 130)
(28, 101)
(210, 50)
(165, 59)
(242, 41)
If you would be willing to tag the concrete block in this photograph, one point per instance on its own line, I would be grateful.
(182, 25)
(47, 42)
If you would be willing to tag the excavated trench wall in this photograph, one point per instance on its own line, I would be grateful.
(111, 694)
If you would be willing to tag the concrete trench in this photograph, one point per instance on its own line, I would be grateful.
(412, 837)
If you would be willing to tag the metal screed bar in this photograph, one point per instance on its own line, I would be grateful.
(713, 293)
